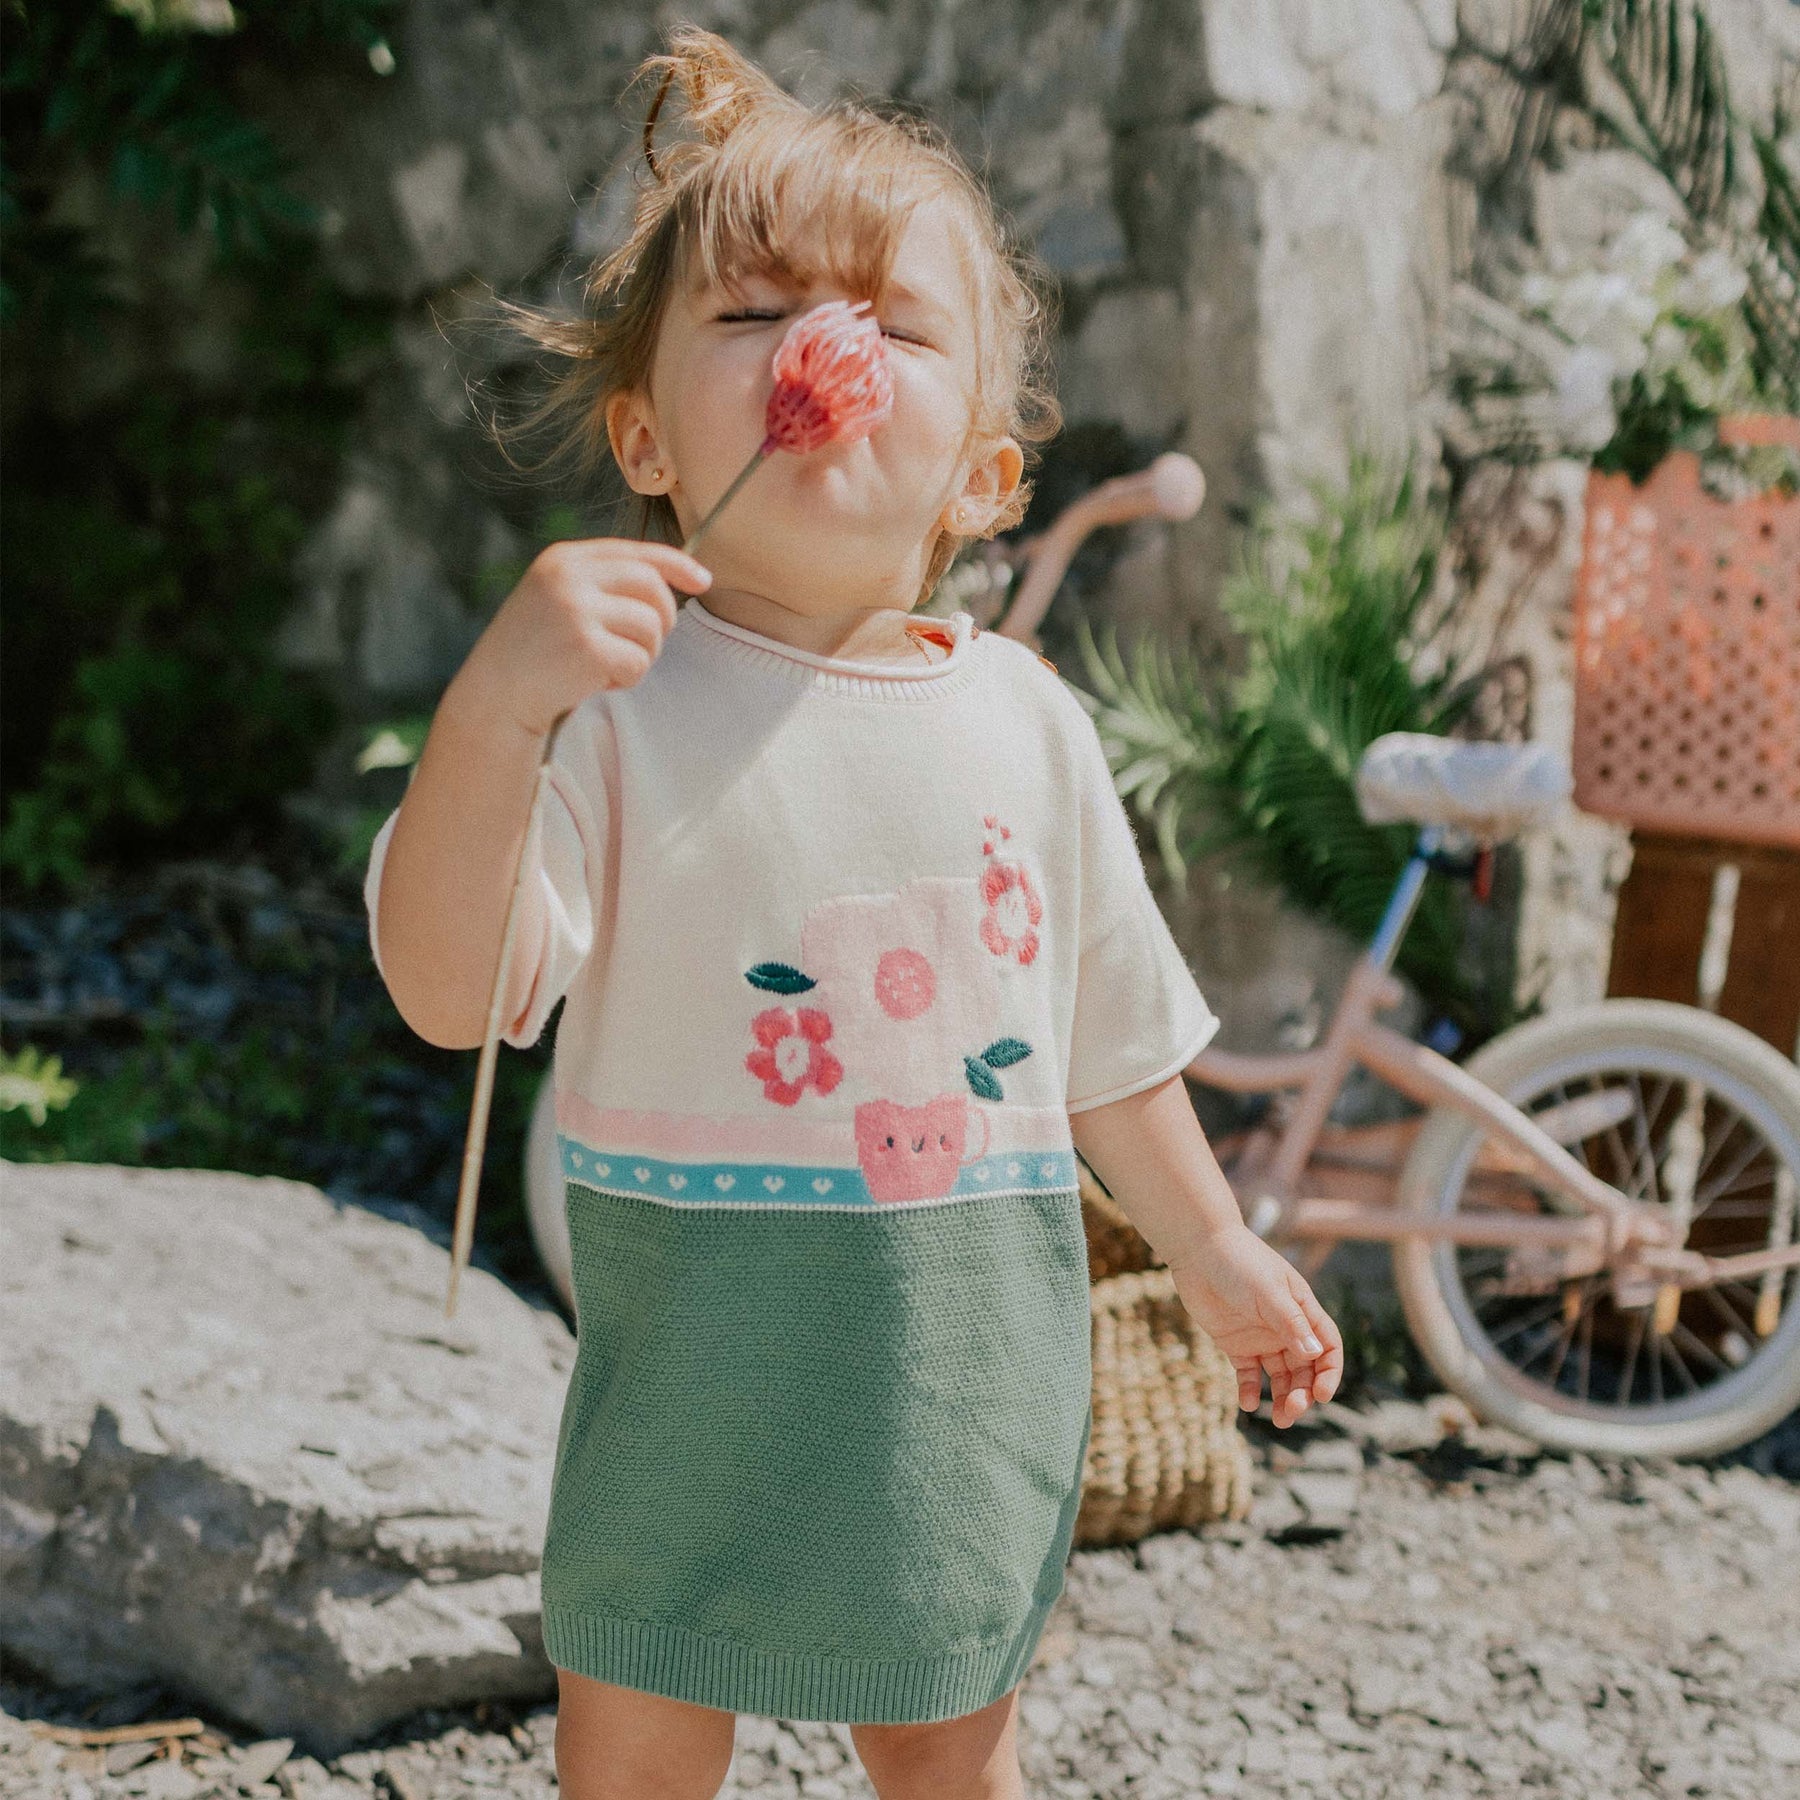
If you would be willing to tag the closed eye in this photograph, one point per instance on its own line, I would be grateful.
(755, 313)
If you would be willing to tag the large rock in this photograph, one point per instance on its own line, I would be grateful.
(244, 1452)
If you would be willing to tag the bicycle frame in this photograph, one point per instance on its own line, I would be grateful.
(1277, 1162)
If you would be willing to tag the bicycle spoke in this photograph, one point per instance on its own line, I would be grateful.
(1568, 1335)
(1707, 1161)
(1531, 1320)
(1667, 1343)
(1734, 1320)
(1721, 1211)
(1729, 1183)
(1702, 1347)
(1640, 1319)
(1629, 1166)
(1651, 1188)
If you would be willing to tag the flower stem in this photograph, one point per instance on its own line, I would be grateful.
(744, 475)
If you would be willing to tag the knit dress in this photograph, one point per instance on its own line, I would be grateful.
(841, 944)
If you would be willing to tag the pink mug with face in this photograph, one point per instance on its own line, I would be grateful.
(915, 1152)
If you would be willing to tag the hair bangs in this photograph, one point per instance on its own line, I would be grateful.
(826, 203)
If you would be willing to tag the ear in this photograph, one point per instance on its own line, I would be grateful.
(986, 489)
(631, 430)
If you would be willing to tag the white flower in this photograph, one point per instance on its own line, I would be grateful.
(1646, 246)
(1605, 311)
(1584, 408)
(1711, 284)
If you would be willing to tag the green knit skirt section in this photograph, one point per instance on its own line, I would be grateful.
(818, 1464)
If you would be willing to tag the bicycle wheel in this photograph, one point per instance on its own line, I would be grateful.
(1671, 1105)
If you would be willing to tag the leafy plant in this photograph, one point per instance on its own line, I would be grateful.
(152, 535)
(1652, 74)
(1334, 617)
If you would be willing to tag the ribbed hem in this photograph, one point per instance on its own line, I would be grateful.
(779, 1684)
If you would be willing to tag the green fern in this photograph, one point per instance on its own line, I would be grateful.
(1263, 764)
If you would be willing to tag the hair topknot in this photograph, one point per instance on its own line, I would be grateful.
(719, 201)
(722, 88)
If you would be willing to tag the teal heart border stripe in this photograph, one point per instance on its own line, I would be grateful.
(738, 1184)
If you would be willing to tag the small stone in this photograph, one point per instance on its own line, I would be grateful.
(1562, 1738)
(164, 1779)
(1328, 1498)
(1340, 1454)
(122, 1757)
(1776, 1742)
(1342, 1730)
(1264, 1756)
(257, 1762)
(408, 1778)
(300, 1777)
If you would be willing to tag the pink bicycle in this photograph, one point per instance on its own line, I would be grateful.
(1593, 1221)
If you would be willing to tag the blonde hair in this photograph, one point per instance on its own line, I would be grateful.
(717, 208)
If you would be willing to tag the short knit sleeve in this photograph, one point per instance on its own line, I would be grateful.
(564, 853)
(1139, 1015)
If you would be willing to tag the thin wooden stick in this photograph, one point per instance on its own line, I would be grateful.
(463, 1237)
(118, 1734)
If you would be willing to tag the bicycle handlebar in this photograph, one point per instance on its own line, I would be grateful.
(1172, 487)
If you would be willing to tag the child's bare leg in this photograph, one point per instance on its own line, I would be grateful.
(974, 1757)
(619, 1743)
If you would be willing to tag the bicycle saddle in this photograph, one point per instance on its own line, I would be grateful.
(1492, 791)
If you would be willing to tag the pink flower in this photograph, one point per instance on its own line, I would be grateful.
(791, 1054)
(1014, 911)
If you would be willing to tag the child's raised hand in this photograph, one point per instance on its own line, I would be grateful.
(588, 613)
(1258, 1308)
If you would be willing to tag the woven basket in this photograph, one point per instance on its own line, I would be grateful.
(1165, 1450)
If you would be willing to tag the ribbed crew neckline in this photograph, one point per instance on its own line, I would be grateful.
(841, 674)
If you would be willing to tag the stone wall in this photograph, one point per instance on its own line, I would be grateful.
(1255, 209)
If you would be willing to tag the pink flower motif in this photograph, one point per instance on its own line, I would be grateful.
(791, 1054)
(1014, 911)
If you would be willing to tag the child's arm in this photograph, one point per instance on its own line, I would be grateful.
(588, 614)
(1255, 1305)
(448, 872)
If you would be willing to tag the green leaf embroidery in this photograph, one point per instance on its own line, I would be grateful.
(779, 978)
(981, 1079)
(1003, 1052)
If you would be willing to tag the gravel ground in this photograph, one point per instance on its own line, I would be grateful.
(1468, 1618)
(1405, 1614)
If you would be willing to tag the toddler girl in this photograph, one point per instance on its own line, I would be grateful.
(855, 948)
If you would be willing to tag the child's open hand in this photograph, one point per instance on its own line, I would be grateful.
(1258, 1308)
(588, 613)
